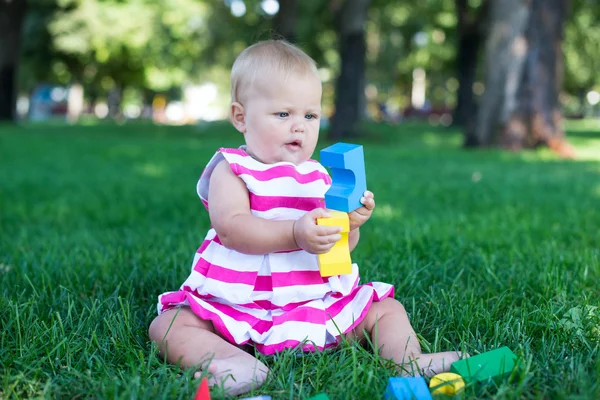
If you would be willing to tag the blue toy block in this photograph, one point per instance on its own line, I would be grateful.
(347, 164)
(407, 389)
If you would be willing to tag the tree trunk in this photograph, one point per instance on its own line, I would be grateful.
(114, 100)
(506, 47)
(520, 108)
(349, 93)
(537, 119)
(470, 35)
(284, 23)
(12, 14)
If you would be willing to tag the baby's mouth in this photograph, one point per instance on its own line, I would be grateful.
(296, 144)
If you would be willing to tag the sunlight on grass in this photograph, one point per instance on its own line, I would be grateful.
(584, 135)
(5, 268)
(436, 140)
(151, 170)
(476, 176)
(432, 140)
(386, 211)
(538, 155)
(589, 151)
(586, 149)
(583, 125)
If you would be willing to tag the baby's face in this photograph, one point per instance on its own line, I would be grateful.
(282, 118)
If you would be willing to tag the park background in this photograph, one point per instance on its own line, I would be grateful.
(480, 122)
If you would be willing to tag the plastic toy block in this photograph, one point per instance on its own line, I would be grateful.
(446, 383)
(496, 365)
(203, 392)
(347, 164)
(320, 396)
(337, 260)
(407, 389)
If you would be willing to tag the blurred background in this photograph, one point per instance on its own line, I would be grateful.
(110, 110)
(505, 71)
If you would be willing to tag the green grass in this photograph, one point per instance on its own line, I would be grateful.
(485, 248)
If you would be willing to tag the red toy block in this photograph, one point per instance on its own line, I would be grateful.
(203, 392)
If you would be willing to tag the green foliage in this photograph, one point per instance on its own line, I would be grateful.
(103, 43)
(484, 249)
(156, 45)
(582, 46)
(580, 325)
(404, 36)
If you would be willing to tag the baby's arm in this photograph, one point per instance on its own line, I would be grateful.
(229, 210)
(238, 229)
(353, 237)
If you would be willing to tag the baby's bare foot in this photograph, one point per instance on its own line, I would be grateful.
(238, 374)
(432, 364)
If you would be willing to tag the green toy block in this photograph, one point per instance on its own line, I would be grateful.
(320, 396)
(496, 365)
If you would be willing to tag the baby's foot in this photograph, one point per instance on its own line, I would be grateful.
(432, 364)
(238, 374)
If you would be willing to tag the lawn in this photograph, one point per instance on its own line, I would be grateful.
(485, 248)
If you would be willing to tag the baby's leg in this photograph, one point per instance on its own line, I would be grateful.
(389, 328)
(186, 339)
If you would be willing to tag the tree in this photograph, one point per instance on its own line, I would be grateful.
(349, 93)
(98, 44)
(471, 22)
(12, 14)
(101, 38)
(284, 22)
(520, 107)
(581, 47)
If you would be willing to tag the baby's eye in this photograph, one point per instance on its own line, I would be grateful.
(283, 114)
(310, 116)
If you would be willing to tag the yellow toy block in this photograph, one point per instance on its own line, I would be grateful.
(447, 383)
(337, 261)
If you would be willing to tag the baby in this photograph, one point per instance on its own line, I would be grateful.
(255, 280)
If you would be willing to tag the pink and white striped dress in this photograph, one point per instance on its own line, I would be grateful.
(279, 300)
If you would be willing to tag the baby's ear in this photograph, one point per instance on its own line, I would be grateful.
(238, 118)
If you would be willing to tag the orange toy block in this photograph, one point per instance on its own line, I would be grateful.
(203, 392)
(337, 261)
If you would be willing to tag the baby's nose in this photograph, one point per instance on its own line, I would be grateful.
(298, 127)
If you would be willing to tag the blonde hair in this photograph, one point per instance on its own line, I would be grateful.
(268, 57)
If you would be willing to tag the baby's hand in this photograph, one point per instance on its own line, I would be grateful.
(316, 239)
(359, 216)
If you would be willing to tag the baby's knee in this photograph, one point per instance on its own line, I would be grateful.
(174, 320)
(389, 305)
(382, 309)
(165, 323)
(156, 330)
